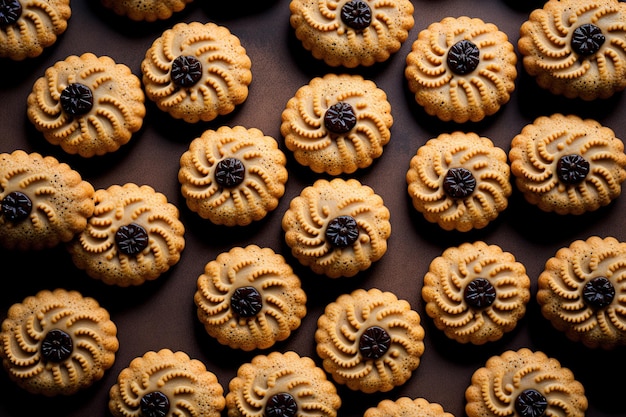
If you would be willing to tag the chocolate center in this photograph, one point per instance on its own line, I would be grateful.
(479, 293)
(530, 403)
(357, 14)
(186, 71)
(154, 404)
(281, 405)
(16, 206)
(10, 11)
(230, 172)
(374, 342)
(463, 57)
(76, 99)
(56, 346)
(246, 301)
(131, 239)
(342, 231)
(340, 118)
(587, 39)
(459, 183)
(598, 292)
(572, 169)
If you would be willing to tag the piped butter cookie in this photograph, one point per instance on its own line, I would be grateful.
(146, 10)
(406, 407)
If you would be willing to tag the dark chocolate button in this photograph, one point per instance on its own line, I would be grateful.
(374, 342)
(342, 231)
(340, 118)
(572, 169)
(186, 71)
(246, 301)
(281, 405)
(479, 293)
(56, 346)
(10, 11)
(230, 172)
(76, 99)
(357, 14)
(598, 292)
(154, 404)
(16, 206)
(587, 39)
(530, 403)
(463, 57)
(131, 239)
(459, 183)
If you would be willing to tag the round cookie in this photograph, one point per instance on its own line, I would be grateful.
(146, 10)
(233, 176)
(406, 407)
(461, 69)
(281, 384)
(475, 293)
(196, 71)
(574, 48)
(166, 383)
(351, 33)
(579, 292)
(460, 181)
(524, 383)
(88, 105)
(337, 227)
(133, 236)
(27, 27)
(43, 202)
(249, 298)
(57, 342)
(337, 123)
(371, 341)
(568, 165)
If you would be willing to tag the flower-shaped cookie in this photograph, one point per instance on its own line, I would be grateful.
(405, 406)
(146, 10)
(233, 176)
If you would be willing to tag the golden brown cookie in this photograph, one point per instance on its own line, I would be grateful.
(233, 176)
(371, 341)
(461, 69)
(475, 293)
(249, 298)
(196, 71)
(350, 33)
(580, 292)
(166, 383)
(281, 384)
(133, 236)
(44, 202)
(575, 48)
(460, 181)
(30, 26)
(406, 407)
(57, 342)
(338, 227)
(524, 383)
(337, 123)
(88, 105)
(568, 165)
(146, 10)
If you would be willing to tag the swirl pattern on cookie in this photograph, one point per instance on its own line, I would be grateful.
(315, 218)
(44, 202)
(197, 71)
(576, 48)
(57, 105)
(332, 149)
(460, 181)
(406, 406)
(461, 69)
(476, 292)
(146, 10)
(57, 342)
(370, 340)
(134, 235)
(568, 165)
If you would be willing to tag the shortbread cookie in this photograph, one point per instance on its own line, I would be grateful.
(196, 71)
(233, 176)
(337, 123)
(524, 383)
(88, 105)
(580, 291)
(475, 293)
(406, 407)
(575, 48)
(338, 227)
(568, 165)
(57, 342)
(27, 27)
(249, 298)
(460, 181)
(134, 235)
(371, 341)
(166, 383)
(281, 384)
(44, 202)
(351, 33)
(146, 10)
(461, 69)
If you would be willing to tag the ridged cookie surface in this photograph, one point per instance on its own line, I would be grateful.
(146, 10)
(406, 407)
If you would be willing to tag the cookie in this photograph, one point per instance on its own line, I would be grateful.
(579, 292)
(146, 10)
(57, 342)
(337, 123)
(44, 202)
(133, 236)
(166, 383)
(524, 383)
(568, 165)
(196, 71)
(30, 26)
(233, 176)
(88, 105)
(338, 227)
(461, 69)
(249, 298)
(370, 340)
(281, 384)
(351, 33)
(461, 181)
(574, 48)
(475, 293)
(406, 407)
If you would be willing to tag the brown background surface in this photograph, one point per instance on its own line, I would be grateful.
(161, 313)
